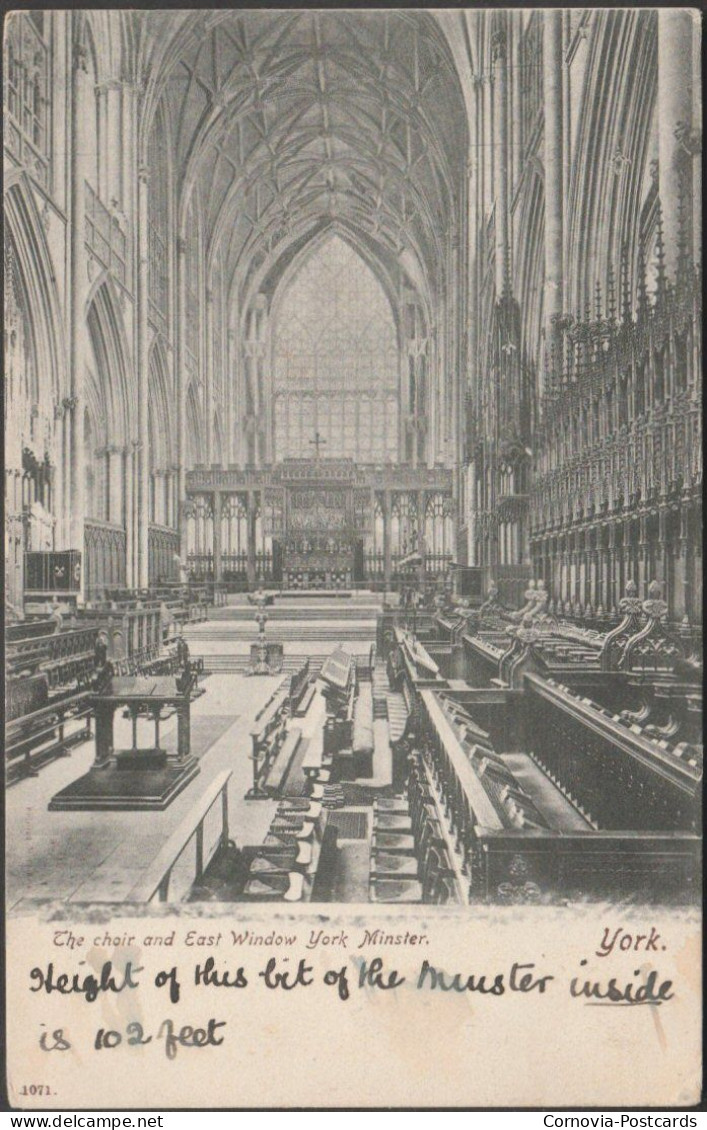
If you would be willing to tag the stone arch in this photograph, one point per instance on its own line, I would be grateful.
(613, 150)
(112, 379)
(107, 432)
(34, 387)
(334, 334)
(24, 227)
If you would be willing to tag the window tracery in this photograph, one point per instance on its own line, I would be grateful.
(336, 361)
(28, 92)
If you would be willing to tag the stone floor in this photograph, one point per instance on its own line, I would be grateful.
(99, 856)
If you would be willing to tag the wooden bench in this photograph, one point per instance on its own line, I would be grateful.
(298, 687)
(305, 701)
(363, 732)
(283, 760)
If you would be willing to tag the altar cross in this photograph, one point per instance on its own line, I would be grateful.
(317, 441)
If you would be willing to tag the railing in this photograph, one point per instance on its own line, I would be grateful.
(234, 566)
(267, 735)
(157, 878)
(465, 801)
(669, 765)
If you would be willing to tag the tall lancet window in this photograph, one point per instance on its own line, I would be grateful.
(336, 361)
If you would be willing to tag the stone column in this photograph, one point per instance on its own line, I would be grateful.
(143, 464)
(209, 377)
(217, 535)
(696, 146)
(182, 383)
(114, 471)
(65, 472)
(158, 487)
(675, 94)
(81, 99)
(169, 498)
(102, 144)
(516, 19)
(112, 155)
(230, 376)
(552, 89)
(500, 151)
(130, 549)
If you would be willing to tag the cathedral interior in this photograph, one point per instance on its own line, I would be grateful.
(352, 456)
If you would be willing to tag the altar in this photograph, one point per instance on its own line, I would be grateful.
(322, 544)
(317, 524)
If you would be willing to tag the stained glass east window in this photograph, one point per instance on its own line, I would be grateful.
(336, 361)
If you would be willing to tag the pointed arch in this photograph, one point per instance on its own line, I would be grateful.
(111, 378)
(293, 265)
(613, 152)
(335, 341)
(24, 227)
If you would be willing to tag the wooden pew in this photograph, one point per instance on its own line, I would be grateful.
(280, 767)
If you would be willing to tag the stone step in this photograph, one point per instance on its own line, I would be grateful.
(238, 664)
(297, 613)
(201, 633)
(299, 597)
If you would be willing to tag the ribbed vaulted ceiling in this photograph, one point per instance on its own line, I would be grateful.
(284, 120)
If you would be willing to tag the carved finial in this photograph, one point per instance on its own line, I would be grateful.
(682, 240)
(625, 285)
(655, 588)
(611, 302)
(631, 589)
(597, 301)
(660, 253)
(641, 285)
